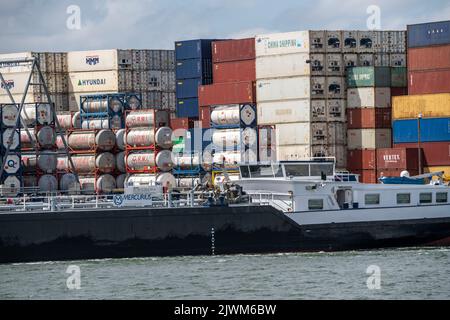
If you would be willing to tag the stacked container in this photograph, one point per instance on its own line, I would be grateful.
(148, 72)
(148, 143)
(301, 89)
(11, 181)
(193, 69)
(369, 116)
(53, 66)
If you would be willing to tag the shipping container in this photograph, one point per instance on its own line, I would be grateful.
(399, 77)
(350, 41)
(287, 89)
(292, 111)
(336, 133)
(293, 153)
(194, 69)
(305, 133)
(336, 88)
(115, 81)
(188, 88)
(205, 117)
(398, 60)
(193, 49)
(99, 60)
(429, 58)
(431, 130)
(233, 50)
(227, 93)
(334, 65)
(334, 41)
(181, 123)
(236, 71)
(336, 110)
(367, 176)
(434, 153)
(429, 34)
(187, 108)
(445, 169)
(368, 98)
(429, 82)
(369, 77)
(339, 152)
(361, 160)
(398, 158)
(361, 139)
(430, 106)
(399, 92)
(282, 43)
(281, 66)
(318, 64)
(369, 118)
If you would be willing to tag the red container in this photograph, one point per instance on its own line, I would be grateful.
(369, 118)
(237, 71)
(367, 176)
(395, 172)
(429, 58)
(181, 123)
(205, 117)
(398, 158)
(399, 92)
(227, 93)
(361, 160)
(233, 50)
(435, 154)
(429, 82)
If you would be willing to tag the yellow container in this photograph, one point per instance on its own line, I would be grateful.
(446, 171)
(429, 105)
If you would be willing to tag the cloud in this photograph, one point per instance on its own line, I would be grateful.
(41, 26)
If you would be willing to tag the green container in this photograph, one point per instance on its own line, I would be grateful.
(399, 77)
(361, 77)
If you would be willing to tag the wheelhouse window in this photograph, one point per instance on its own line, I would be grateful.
(426, 198)
(404, 198)
(245, 172)
(318, 169)
(261, 171)
(372, 199)
(297, 170)
(441, 197)
(315, 204)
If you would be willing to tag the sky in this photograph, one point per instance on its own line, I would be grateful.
(42, 25)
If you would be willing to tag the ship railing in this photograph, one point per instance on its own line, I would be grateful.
(281, 201)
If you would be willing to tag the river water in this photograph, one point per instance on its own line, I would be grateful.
(384, 274)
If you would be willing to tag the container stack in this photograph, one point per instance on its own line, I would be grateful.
(301, 90)
(428, 103)
(148, 72)
(193, 69)
(53, 66)
(148, 143)
(11, 181)
(369, 116)
(228, 106)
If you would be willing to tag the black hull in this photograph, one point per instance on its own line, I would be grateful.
(198, 231)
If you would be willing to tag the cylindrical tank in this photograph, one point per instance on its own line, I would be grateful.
(188, 183)
(133, 103)
(11, 186)
(106, 184)
(12, 164)
(46, 137)
(104, 140)
(14, 141)
(232, 137)
(69, 184)
(47, 161)
(48, 183)
(28, 114)
(65, 121)
(120, 181)
(76, 120)
(120, 139)
(115, 122)
(103, 162)
(226, 115)
(120, 162)
(96, 106)
(143, 161)
(140, 119)
(186, 161)
(164, 179)
(29, 162)
(220, 178)
(147, 137)
(59, 141)
(44, 114)
(9, 114)
(228, 159)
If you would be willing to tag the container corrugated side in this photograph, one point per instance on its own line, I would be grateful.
(233, 50)
(99, 60)
(187, 108)
(193, 49)
(16, 83)
(283, 66)
(398, 158)
(429, 105)
(227, 93)
(293, 153)
(194, 69)
(431, 130)
(284, 89)
(368, 98)
(361, 160)
(101, 81)
(429, 34)
(235, 71)
(282, 43)
(369, 77)
(188, 88)
(429, 82)
(434, 153)
(369, 118)
(293, 111)
(429, 58)
(399, 77)
(360, 139)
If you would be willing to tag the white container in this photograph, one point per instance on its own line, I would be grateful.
(382, 60)
(398, 60)
(319, 87)
(293, 153)
(283, 89)
(282, 43)
(336, 88)
(340, 153)
(270, 113)
(369, 139)
(16, 83)
(350, 41)
(280, 66)
(350, 60)
(12, 164)
(369, 98)
(337, 133)
(301, 134)
(366, 60)
(367, 41)
(336, 110)
(317, 41)
(99, 60)
(14, 67)
(60, 143)
(334, 41)
(101, 81)
(335, 64)
(318, 62)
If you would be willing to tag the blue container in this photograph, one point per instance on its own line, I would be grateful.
(187, 108)
(194, 69)
(193, 49)
(429, 34)
(431, 130)
(188, 88)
